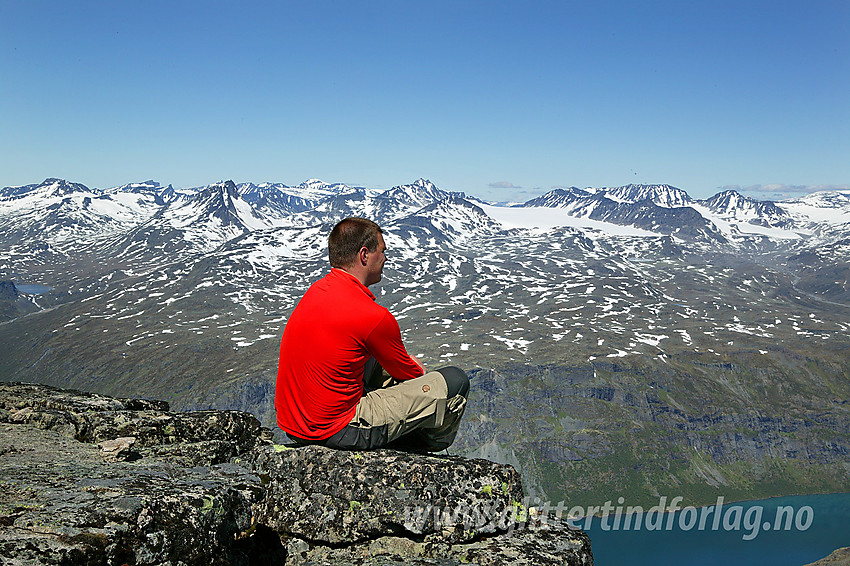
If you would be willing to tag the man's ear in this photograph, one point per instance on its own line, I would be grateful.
(362, 255)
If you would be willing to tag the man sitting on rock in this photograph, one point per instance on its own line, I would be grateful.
(345, 379)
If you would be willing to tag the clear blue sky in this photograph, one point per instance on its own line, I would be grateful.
(502, 100)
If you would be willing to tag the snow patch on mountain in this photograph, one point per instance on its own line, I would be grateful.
(827, 207)
(544, 218)
(738, 223)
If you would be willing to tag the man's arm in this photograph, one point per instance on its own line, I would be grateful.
(384, 342)
(420, 363)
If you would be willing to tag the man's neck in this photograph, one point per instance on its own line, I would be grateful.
(360, 275)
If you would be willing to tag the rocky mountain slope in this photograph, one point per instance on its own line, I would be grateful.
(627, 340)
(89, 479)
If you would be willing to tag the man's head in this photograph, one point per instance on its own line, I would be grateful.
(357, 246)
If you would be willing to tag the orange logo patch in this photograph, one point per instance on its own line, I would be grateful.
(426, 388)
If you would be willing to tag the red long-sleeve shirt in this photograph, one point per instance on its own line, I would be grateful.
(333, 330)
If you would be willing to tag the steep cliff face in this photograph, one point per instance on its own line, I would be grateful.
(89, 479)
(742, 433)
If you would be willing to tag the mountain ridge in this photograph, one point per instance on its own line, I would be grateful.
(725, 214)
(688, 345)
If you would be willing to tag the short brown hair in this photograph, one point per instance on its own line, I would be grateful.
(348, 237)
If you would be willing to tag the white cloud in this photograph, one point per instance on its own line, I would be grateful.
(503, 185)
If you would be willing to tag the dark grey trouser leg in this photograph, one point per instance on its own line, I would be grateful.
(374, 376)
(456, 380)
(351, 438)
(358, 438)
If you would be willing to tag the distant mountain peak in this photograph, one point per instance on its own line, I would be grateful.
(418, 194)
(663, 195)
(734, 205)
(426, 183)
(60, 187)
(149, 185)
(228, 185)
(826, 199)
(217, 200)
(559, 198)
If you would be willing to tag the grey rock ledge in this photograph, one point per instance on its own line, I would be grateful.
(90, 479)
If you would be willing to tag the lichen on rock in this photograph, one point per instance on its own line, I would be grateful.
(89, 479)
(335, 497)
(66, 500)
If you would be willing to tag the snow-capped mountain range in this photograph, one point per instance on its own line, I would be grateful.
(208, 216)
(57, 222)
(653, 319)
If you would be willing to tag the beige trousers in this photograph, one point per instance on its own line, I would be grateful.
(415, 414)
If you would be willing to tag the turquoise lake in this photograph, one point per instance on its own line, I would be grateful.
(818, 525)
(33, 289)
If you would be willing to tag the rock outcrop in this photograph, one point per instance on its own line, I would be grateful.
(839, 557)
(170, 496)
(89, 479)
(401, 508)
